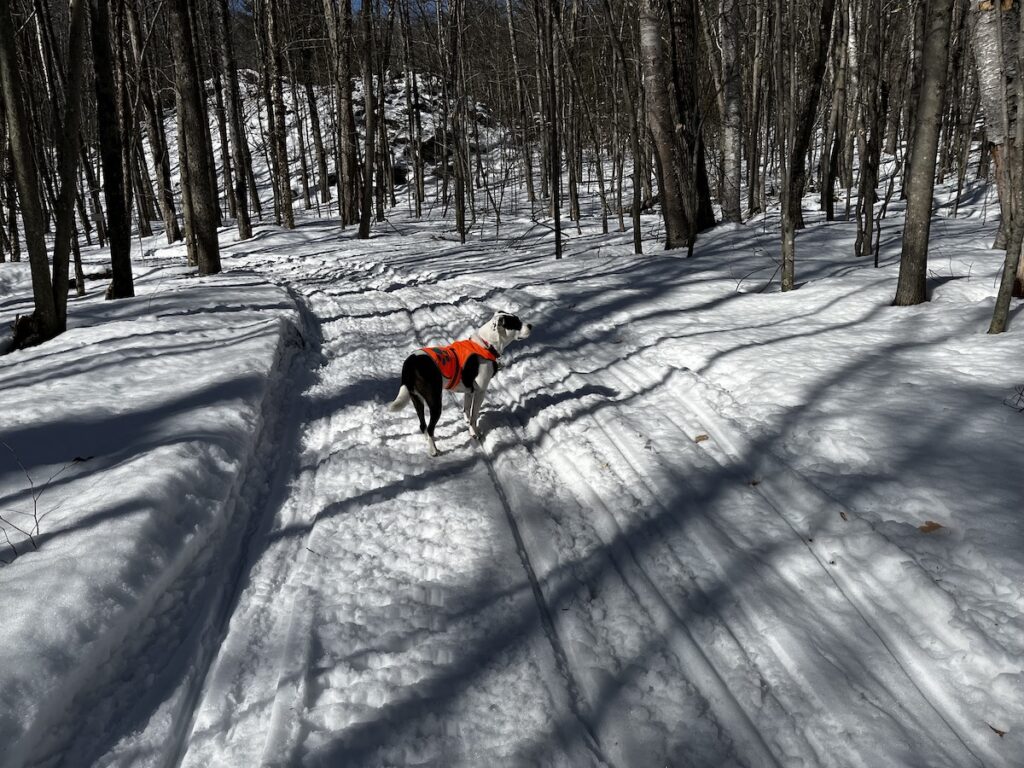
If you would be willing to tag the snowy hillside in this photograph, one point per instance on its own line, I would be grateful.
(709, 524)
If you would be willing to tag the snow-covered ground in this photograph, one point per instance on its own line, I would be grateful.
(709, 524)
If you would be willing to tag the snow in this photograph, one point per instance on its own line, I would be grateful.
(708, 524)
(691, 534)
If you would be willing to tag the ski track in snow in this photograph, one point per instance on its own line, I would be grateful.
(407, 608)
(616, 575)
(352, 647)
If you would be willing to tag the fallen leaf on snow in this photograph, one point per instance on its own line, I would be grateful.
(999, 733)
(701, 438)
(929, 526)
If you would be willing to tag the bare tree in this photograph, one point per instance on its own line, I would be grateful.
(44, 323)
(370, 110)
(798, 93)
(111, 153)
(921, 180)
(192, 116)
(1012, 281)
(236, 132)
(658, 96)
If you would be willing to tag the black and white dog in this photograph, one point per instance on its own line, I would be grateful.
(463, 366)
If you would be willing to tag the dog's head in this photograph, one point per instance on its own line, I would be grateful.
(504, 328)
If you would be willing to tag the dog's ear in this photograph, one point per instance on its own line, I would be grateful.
(510, 323)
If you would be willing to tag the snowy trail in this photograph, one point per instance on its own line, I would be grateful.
(383, 624)
(593, 585)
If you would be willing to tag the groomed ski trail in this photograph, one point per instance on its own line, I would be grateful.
(596, 586)
(381, 626)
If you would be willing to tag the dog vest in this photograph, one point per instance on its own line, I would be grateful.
(452, 359)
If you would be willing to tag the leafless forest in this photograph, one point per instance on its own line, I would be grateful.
(706, 112)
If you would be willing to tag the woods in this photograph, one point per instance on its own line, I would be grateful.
(154, 115)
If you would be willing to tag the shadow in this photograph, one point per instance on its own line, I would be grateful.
(653, 540)
(657, 528)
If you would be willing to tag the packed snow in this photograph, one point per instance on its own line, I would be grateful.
(708, 524)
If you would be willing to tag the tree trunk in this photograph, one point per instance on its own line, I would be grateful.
(111, 154)
(45, 319)
(370, 110)
(521, 106)
(994, 40)
(634, 126)
(279, 123)
(192, 118)
(829, 159)
(678, 230)
(339, 31)
(236, 132)
(796, 123)
(684, 21)
(921, 179)
(154, 127)
(323, 187)
(1012, 281)
(554, 149)
(872, 125)
(732, 103)
(67, 160)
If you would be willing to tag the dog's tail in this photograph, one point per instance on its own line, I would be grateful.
(404, 396)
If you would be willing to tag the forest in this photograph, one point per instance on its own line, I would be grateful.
(709, 112)
(746, 493)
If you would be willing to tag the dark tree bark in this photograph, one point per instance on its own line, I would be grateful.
(236, 133)
(1012, 281)
(687, 115)
(370, 110)
(796, 122)
(921, 178)
(634, 127)
(193, 121)
(323, 187)
(279, 123)
(554, 149)
(872, 124)
(45, 320)
(154, 127)
(657, 92)
(67, 159)
(339, 35)
(108, 124)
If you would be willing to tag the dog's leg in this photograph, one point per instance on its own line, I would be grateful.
(469, 405)
(474, 416)
(434, 403)
(426, 430)
(417, 403)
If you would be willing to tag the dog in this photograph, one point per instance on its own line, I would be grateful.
(465, 366)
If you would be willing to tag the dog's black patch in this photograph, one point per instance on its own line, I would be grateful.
(510, 323)
(423, 378)
(470, 370)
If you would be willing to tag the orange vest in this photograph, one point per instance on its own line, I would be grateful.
(452, 359)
